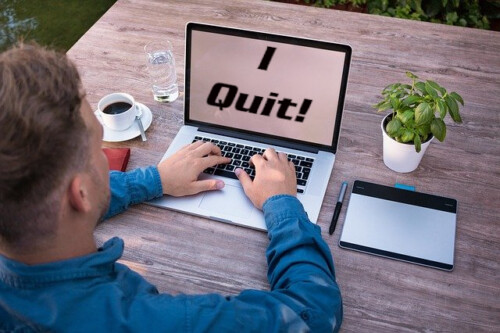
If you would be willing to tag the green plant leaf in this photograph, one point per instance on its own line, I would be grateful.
(406, 116)
(392, 87)
(393, 127)
(411, 75)
(453, 107)
(407, 135)
(382, 105)
(423, 114)
(457, 97)
(437, 87)
(430, 90)
(394, 103)
(451, 17)
(411, 100)
(441, 108)
(418, 143)
(421, 86)
(438, 129)
(424, 130)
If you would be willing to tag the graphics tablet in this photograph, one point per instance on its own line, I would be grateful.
(401, 224)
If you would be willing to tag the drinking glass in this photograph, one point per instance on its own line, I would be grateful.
(161, 69)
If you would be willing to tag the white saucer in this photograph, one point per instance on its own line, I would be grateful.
(131, 132)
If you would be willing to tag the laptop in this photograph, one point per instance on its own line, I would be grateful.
(246, 91)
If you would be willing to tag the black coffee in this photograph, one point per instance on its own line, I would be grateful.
(117, 108)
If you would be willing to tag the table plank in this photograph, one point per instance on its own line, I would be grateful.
(185, 254)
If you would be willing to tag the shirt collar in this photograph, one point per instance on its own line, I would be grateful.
(99, 263)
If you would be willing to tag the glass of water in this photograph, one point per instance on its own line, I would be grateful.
(161, 69)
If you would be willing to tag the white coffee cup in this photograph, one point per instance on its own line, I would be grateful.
(117, 111)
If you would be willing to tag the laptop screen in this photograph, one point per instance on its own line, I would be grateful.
(271, 85)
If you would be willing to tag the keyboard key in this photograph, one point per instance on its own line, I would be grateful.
(245, 158)
(209, 171)
(292, 156)
(306, 164)
(245, 164)
(299, 175)
(305, 175)
(230, 144)
(244, 152)
(206, 139)
(248, 148)
(226, 148)
(295, 161)
(309, 159)
(236, 163)
(299, 182)
(197, 137)
(301, 158)
(237, 157)
(224, 173)
(236, 150)
(299, 190)
(230, 155)
(240, 146)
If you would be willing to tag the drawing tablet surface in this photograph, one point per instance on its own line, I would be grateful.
(400, 224)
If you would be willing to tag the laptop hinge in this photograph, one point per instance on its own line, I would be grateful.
(265, 140)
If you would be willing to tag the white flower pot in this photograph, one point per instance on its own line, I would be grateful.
(401, 157)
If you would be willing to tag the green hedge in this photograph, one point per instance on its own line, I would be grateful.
(468, 13)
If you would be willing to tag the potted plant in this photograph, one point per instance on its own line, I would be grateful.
(418, 111)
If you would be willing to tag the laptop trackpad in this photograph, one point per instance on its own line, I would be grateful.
(230, 200)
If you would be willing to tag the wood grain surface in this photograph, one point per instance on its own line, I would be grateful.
(186, 254)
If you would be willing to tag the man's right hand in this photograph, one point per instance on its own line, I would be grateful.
(274, 174)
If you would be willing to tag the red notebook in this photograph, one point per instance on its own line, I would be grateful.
(117, 158)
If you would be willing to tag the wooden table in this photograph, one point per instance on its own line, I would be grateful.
(185, 254)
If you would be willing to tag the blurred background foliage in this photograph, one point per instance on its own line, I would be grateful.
(55, 23)
(482, 14)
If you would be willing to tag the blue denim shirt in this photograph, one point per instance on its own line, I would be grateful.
(94, 293)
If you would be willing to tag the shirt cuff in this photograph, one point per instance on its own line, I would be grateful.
(156, 188)
(281, 207)
(144, 184)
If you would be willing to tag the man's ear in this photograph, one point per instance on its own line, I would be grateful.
(78, 195)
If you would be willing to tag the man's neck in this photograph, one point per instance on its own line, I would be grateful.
(57, 250)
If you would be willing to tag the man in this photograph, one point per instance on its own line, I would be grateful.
(55, 188)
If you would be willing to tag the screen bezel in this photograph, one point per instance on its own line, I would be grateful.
(264, 137)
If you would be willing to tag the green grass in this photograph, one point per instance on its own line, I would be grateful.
(55, 23)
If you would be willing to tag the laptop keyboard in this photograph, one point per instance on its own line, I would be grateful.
(240, 158)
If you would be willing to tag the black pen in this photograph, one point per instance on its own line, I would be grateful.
(338, 207)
